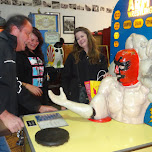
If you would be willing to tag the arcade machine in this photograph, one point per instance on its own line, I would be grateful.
(131, 28)
(130, 16)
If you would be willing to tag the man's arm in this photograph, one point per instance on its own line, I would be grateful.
(4, 77)
(45, 108)
(12, 122)
(26, 99)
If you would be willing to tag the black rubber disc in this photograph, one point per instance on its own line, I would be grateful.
(52, 136)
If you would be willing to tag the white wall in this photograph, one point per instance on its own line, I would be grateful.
(92, 20)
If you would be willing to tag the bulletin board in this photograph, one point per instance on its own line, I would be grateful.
(49, 26)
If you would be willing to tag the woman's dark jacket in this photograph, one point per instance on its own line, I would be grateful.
(86, 71)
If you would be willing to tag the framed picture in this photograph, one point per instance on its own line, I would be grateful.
(47, 22)
(68, 24)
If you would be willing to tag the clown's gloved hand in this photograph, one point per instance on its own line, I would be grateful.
(84, 110)
(58, 99)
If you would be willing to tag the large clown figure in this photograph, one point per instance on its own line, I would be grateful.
(123, 98)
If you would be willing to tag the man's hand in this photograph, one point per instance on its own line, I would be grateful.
(58, 99)
(47, 109)
(12, 122)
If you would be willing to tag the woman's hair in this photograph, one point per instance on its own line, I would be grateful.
(38, 50)
(93, 52)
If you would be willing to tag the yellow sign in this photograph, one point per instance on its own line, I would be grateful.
(151, 114)
(116, 35)
(116, 25)
(116, 43)
(148, 22)
(138, 23)
(127, 24)
(139, 7)
(117, 15)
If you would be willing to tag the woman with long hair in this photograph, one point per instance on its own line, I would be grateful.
(82, 64)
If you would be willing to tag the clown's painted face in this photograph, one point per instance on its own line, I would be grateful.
(127, 66)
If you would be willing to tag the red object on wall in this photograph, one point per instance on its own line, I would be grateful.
(96, 33)
(1, 30)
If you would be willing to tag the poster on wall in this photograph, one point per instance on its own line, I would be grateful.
(37, 3)
(108, 10)
(45, 22)
(95, 8)
(88, 8)
(102, 8)
(68, 24)
(27, 2)
(46, 3)
(64, 6)
(130, 16)
(8, 2)
(80, 7)
(55, 5)
(17, 2)
(73, 6)
(49, 26)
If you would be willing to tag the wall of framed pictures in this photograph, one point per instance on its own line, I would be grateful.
(95, 15)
